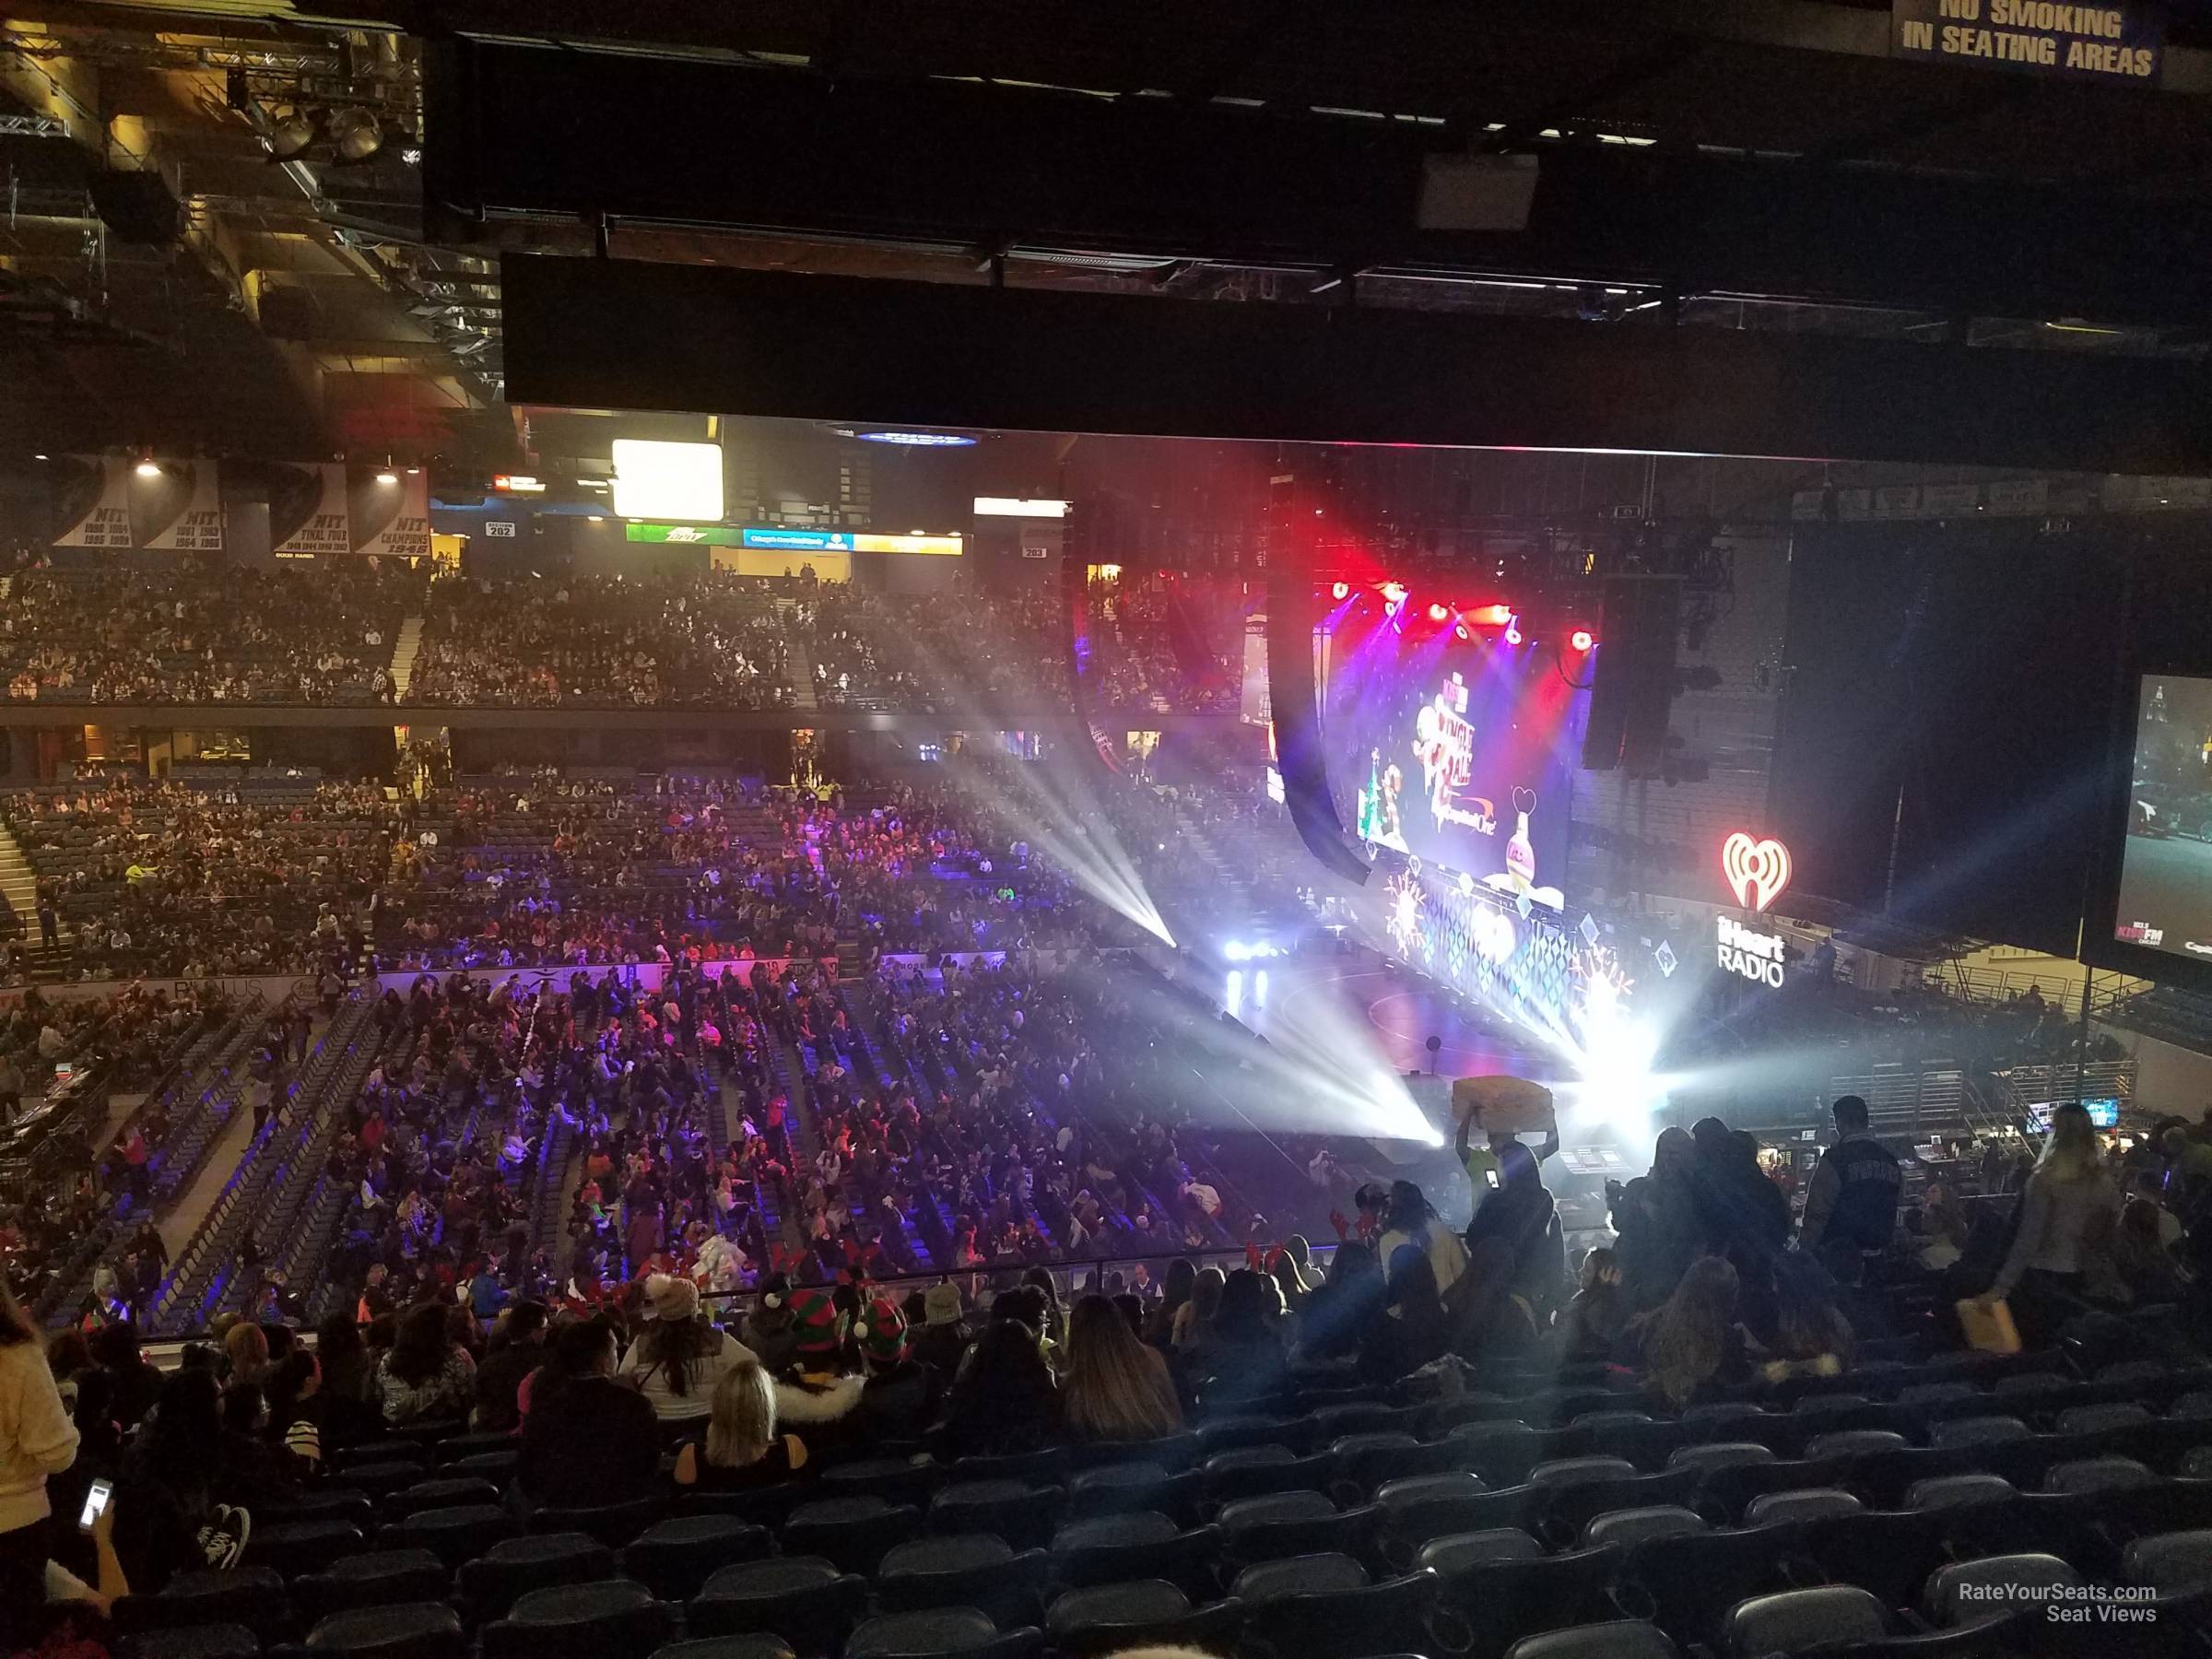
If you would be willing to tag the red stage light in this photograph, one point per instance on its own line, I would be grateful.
(1437, 613)
(1343, 590)
(1581, 638)
(1490, 616)
(1512, 630)
(1393, 593)
(1461, 631)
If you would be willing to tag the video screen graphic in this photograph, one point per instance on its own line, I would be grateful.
(1458, 752)
(2166, 867)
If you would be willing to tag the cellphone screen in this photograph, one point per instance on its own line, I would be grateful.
(96, 1500)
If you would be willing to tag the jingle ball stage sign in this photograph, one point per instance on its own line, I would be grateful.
(1757, 870)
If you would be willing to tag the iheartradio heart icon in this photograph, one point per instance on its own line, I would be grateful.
(1757, 870)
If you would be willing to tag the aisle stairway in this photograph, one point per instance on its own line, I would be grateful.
(802, 665)
(20, 883)
(403, 656)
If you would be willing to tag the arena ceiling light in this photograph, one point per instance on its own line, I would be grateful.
(919, 439)
(356, 133)
(291, 136)
(654, 479)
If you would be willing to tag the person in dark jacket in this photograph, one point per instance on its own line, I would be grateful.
(1005, 1401)
(900, 1397)
(588, 1441)
(1850, 1204)
(518, 1348)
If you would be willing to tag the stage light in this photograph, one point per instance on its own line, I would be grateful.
(660, 480)
(1581, 638)
(1234, 951)
(357, 133)
(1342, 590)
(1393, 594)
(1490, 616)
(1461, 632)
(291, 136)
(1512, 630)
(1437, 613)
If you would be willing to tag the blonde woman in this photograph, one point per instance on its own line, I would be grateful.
(2067, 1215)
(740, 1447)
(1116, 1388)
(1691, 1343)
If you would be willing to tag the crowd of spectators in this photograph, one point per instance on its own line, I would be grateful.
(195, 634)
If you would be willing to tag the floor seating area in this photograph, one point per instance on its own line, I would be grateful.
(1912, 1506)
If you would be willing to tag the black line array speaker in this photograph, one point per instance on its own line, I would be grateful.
(138, 206)
(1632, 686)
(1297, 712)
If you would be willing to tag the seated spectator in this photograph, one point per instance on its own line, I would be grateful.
(587, 1439)
(1116, 1388)
(681, 1354)
(1176, 1290)
(1812, 1337)
(1349, 1300)
(173, 1487)
(348, 1406)
(426, 1375)
(246, 1349)
(1195, 1318)
(295, 1409)
(945, 1336)
(739, 1448)
(1692, 1345)
(1594, 1319)
(898, 1398)
(517, 1347)
(2146, 1266)
(137, 1384)
(768, 1330)
(1005, 1401)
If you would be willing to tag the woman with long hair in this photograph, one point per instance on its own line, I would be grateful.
(1409, 1218)
(1598, 1313)
(426, 1374)
(1195, 1319)
(2068, 1212)
(37, 1439)
(346, 1396)
(1005, 1402)
(293, 1390)
(680, 1356)
(1414, 1334)
(740, 1447)
(1175, 1291)
(1116, 1388)
(1692, 1341)
(246, 1346)
(1242, 1357)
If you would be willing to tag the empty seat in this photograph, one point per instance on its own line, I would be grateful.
(974, 1570)
(803, 1599)
(1654, 1521)
(1720, 1454)
(380, 1480)
(294, 1547)
(1015, 1511)
(378, 1579)
(1365, 1461)
(1936, 1393)
(454, 1535)
(614, 1619)
(1996, 1587)
(1690, 1580)
(1807, 1503)
(1344, 1621)
(1950, 1491)
(446, 1493)
(1271, 1581)
(728, 1647)
(407, 1630)
(1616, 1638)
(2096, 1475)
(1108, 1618)
(851, 1532)
(894, 1480)
(1853, 1442)
(1113, 1548)
(251, 1596)
(676, 1557)
(960, 1630)
(1131, 1485)
(1577, 1471)
(2097, 1419)
(1795, 1621)
(1976, 1431)
(614, 1525)
(1251, 1471)
(193, 1642)
(514, 1566)
(2175, 1564)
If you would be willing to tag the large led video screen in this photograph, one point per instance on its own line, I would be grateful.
(2166, 861)
(1458, 751)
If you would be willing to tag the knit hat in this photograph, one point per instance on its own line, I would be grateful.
(670, 1298)
(941, 1305)
(814, 1314)
(881, 1332)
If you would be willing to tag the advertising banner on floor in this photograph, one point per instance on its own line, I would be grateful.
(393, 519)
(181, 509)
(94, 495)
(307, 511)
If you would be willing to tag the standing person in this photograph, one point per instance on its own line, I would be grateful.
(1409, 1218)
(2067, 1216)
(37, 1439)
(1851, 1203)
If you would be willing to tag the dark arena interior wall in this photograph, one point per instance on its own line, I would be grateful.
(1972, 668)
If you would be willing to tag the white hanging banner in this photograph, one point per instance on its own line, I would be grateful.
(183, 508)
(393, 519)
(307, 511)
(96, 503)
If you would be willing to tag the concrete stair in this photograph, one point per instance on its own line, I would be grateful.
(802, 665)
(403, 651)
(20, 883)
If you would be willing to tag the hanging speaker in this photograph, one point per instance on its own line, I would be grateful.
(1296, 711)
(1632, 681)
(138, 206)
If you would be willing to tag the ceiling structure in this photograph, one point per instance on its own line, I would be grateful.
(312, 302)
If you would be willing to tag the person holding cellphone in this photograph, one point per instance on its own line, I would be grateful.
(37, 1439)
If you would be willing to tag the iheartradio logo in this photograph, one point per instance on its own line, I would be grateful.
(1757, 870)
